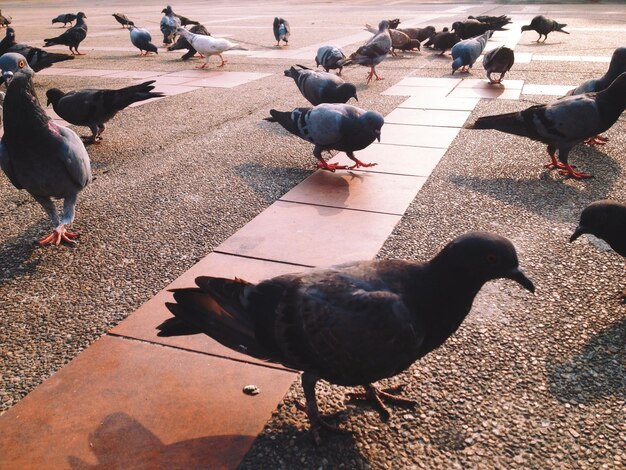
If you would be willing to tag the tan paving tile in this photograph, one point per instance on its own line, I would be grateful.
(170, 80)
(58, 71)
(399, 90)
(428, 102)
(476, 83)
(308, 234)
(553, 90)
(419, 136)
(377, 192)
(227, 79)
(429, 82)
(143, 322)
(192, 72)
(126, 404)
(427, 117)
(494, 92)
(139, 74)
(396, 159)
(93, 72)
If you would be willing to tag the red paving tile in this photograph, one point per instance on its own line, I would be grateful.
(311, 235)
(377, 192)
(142, 323)
(123, 404)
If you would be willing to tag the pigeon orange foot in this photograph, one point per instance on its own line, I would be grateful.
(60, 234)
(597, 140)
(331, 166)
(373, 74)
(376, 397)
(569, 170)
(359, 164)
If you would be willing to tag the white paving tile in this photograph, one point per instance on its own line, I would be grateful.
(427, 117)
(480, 83)
(551, 90)
(418, 136)
(429, 102)
(398, 90)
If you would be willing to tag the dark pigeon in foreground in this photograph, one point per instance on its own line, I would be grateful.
(469, 28)
(4, 20)
(122, 19)
(93, 108)
(466, 52)
(64, 18)
(442, 41)
(321, 87)
(37, 58)
(72, 37)
(169, 25)
(564, 123)
(141, 39)
(47, 160)
(282, 30)
(496, 23)
(606, 220)
(421, 34)
(544, 26)
(182, 43)
(373, 52)
(330, 58)
(498, 60)
(333, 127)
(350, 325)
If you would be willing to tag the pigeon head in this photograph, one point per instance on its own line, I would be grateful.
(167, 10)
(618, 60)
(596, 217)
(373, 122)
(54, 95)
(81, 15)
(616, 93)
(482, 257)
(393, 24)
(383, 25)
(11, 63)
(526, 27)
(457, 64)
(345, 91)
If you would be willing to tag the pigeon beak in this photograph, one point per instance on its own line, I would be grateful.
(518, 276)
(577, 233)
(355, 97)
(7, 77)
(377, 134)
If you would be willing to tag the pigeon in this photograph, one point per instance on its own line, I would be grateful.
(442, 41)
(352, 324)
(64, 18)
(4, 20)
(616, 68)
(421, 34)
(373, 52)
(565, 122)
(544, 26)
(141, 38)
(496, 23)
(2, 94)
(321, 87)
(122, 19)
(399, 40)
(333, 127)
(208, 46)
(184, 21)
(169, 25)
(498, 60)
(47, 160)
(282, 31)
(93, 107)
(182, 43)
(73, 36)
(393, 24)
(330, 57)
(37, 58)
(469, 28)
(466, 52)
(606, 220)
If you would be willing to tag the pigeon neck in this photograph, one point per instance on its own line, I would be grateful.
(612, 101)
(23, 113)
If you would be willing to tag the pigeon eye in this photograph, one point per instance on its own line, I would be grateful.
(21, 64)
(492, 258)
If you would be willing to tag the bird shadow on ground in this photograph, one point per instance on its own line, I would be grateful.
(16, 253)
(281, 179)
(120, 441)
(596, 372)
(562, 197)
(295, 446)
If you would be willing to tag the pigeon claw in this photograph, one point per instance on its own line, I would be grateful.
(597, 140)
(332, 166)
(318, 424)
(60, 234)
(376, 397)
(359, 164)
(569, 170)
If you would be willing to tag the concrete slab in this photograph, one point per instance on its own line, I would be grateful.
(428, 102)
(552, 90)
(430, 117)
(418, 136)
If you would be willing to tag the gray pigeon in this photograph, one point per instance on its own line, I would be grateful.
(442, 41)
(498, 60)
(282, 30)
(169, 25)
(122, 19)
(565, 122)
(606, 220)
(37, 58)
(350, 325)
(333, 127)
(93, 108)
(47, 160)
(321, 87)
(141, 39)
(64, 18)
(544, 26)
(470, 28)
(466, 52)
(73, 36)
(330, 57)
(373, 52)
(182, 43)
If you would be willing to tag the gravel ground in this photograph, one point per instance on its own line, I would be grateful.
(529, 381)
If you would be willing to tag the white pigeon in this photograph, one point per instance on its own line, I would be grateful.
(209, 45)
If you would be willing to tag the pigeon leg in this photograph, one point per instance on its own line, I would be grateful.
(206, 62)
(569, 170)
(79, 53)
(223, 61)
(376, 397)
(311, 410)
(60, 234)
(597, 140)
(555, 163)
(317, 152)
(95, 131)
(100, 131)
(358, 163)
